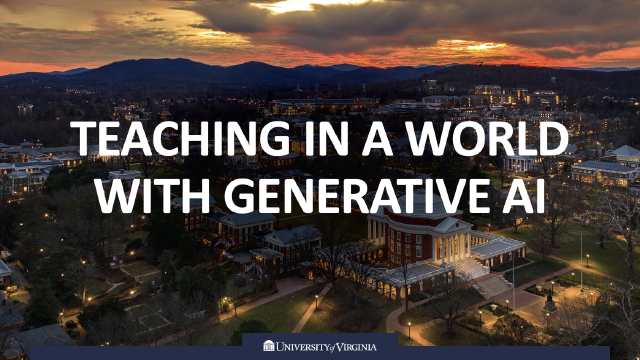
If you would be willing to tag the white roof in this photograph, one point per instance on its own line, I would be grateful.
(626, 150)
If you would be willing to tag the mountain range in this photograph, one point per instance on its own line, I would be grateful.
(184, 71)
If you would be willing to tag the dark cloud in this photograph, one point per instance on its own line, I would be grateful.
(584, 27)
(558, 54)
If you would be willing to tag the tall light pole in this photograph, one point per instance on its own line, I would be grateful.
(513, 277)
(587, 260)
(409, 330)
(507, 307)
(581, 289)
(316, 302)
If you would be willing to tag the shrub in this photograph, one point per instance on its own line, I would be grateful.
(134, 244)
(71, 324)
(240, 282)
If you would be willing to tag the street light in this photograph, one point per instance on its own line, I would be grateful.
(552, 287)
(547, 319)
(574, 278)
(507, 306)
(316, 302)
(409, 330)
(587, 260)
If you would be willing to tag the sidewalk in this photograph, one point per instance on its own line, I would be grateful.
(392, 320)
(285, 287)
(311, 309)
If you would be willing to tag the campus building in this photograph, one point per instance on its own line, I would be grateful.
(434, 245)
(604, 172)
(237, 230)
(281, 252)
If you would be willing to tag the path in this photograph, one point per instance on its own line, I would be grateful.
(590, 269)
(393, 324)
(286, 286)
(311, 309)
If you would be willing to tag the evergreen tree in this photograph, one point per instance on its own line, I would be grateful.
(43, 306)
(167, 270)
(247, 327)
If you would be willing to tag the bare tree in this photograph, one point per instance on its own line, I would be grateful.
(540, 240)
(451, 302)
(561, 202)
(336, 238)
(547, 163)
(499, 165)
(620, 212)
(513, 330)
(81, 274)
(359, 269)
(149, 165)
(406, 272)
(517, 217)
(579, 322)
(625, 316)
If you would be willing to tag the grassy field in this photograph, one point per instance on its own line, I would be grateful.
(404, 340)
(422, 314)
(281, 316)
(437, 335)
(529, 273)
(610, 260)
(336, 314)
(96, 287)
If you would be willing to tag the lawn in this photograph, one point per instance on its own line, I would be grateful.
(534, 271)
(141, 269)
(436, 335)
(404, 340)
(150, 277)
(280, 315)
(117, 247)
(610, 260)
(96, 287)
(422, 314)
(337, 313)
(139, 311)
(118, 277)
(139, 234)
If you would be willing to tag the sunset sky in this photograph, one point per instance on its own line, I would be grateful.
(49, 35)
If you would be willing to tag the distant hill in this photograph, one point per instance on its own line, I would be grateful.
(345, 67)
(150, 72)
(69, 72)
(620, 84)
(603, 69)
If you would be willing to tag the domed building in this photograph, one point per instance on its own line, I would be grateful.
(435, 245)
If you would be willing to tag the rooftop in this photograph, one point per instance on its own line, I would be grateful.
(604, 165)
(626, 150)
(50, 335)
(250, 218)
(498, 245)
(298, 233)
(266, 253)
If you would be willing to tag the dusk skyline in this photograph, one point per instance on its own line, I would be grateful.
(61, 35)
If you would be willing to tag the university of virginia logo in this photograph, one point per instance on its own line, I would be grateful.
(268, 346)
(281, 346)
